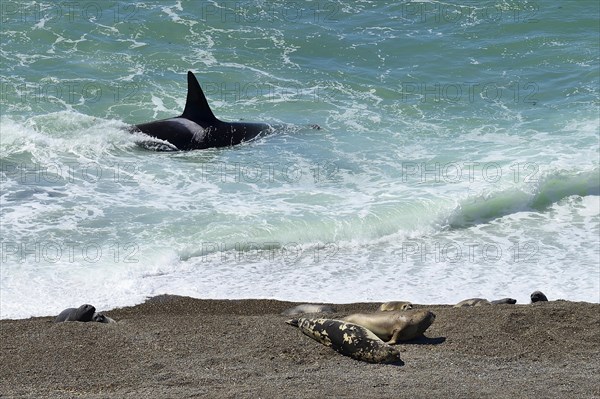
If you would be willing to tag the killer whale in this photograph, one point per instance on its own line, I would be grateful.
(198, 128)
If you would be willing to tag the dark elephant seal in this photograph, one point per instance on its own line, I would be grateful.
(308, 308)
(83, 313)
(348, 339)
(394, 326)
(102, 318)
(504, 301)
(395, 305)
(472, 302)
(538, 296)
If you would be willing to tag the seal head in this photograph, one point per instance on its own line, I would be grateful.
(102, 318)
(538, 296)
(395, 305)
(504, 301)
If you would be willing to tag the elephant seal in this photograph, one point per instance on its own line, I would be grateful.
(394, 326)
(308, 308)
(504, 301)
(395, 305)
(472, 302)
(538, 296)
(483, 302)
(101, 318)
(83, 313)
(348, 339)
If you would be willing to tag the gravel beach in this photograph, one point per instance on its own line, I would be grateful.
(178, 347)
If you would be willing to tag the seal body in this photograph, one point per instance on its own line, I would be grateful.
(83, 313)
(102, 318)
(394, 326)
(472, 302)
(348, 339)
(308, 308)
(538, 296)
(395, 305)
(504, 301)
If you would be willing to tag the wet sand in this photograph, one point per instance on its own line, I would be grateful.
(177, 347)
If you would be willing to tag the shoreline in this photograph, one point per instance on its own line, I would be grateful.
(173, 346)
(290, 303)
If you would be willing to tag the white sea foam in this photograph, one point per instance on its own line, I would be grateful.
(425, 195)
(97, 220)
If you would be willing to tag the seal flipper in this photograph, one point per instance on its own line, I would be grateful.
(293, 322)
(395, 335)
(196, 106)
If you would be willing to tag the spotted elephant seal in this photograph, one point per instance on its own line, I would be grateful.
(308, 308)
(83, 313)
(395, 326)
(538, 296)
(395, 305)
(348, 339)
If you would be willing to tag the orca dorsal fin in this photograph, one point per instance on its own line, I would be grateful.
(196, 106)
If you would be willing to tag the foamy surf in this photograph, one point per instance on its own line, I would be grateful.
(421, 185)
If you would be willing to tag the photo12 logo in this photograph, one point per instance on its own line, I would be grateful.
(265, 91)
(476, 12)
(68, 92)
(65, 252)
(470, 92)
(80, 92)
(272, 251)
(69, 172)
(268, 172)
(13, 12)
(246, 12)
(457, 172)
(469, 252)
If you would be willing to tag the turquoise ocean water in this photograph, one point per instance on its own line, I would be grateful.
(458, 155)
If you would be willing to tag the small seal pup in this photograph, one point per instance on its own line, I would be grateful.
(395, 305)
(102, 318)
(83, 313)
(308, 308)
(348, 339)
(538, 296)
(483, 302)
(472, 302)
(394, 326)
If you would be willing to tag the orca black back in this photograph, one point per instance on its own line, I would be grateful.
(197, 127)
